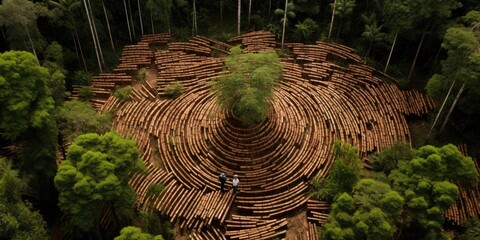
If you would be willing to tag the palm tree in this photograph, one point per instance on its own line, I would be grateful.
(372, 31)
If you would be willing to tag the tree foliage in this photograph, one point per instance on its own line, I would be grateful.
(18, 221)
(134, 233)
(426, 183)
(372, 213)
(344, 174)
(248, 84)
(95, 176)
(387, 160)
(75, 118)
(24, 97)
(462, 63)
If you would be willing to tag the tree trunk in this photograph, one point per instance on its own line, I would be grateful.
(74, 23)
(96, 33)
(151, 21)
(131, 19)
(333, 17)
(108, 26)
(435, 60)
(418, 51)
(31, 43)
(269, 8)
(284, 21)
(128, 22)
(440, 111)
(93, 35)
(453, 106)
(238, 17)
(391, 51)
(194, 23)
(249, 12)
(140, 15)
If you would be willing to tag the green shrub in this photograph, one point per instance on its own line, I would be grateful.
(81, 78)
(123, 93)
(140, 75)
(387, 160)
(86, 93)
(174, 90)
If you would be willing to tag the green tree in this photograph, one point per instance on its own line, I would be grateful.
(372, 32)
(123, 93)
(345, 173)
(372, 213)
(18, 220)
(248, 85)
(26, 118)
(161, 11)
(95, 178)
(54, 63)
(426, 183)
(75, 118)
(24, 97)
(306, 31)
(387, 160)
(67, 9)
(342, 9)
(462, 64)
(19, 17)
(134, 233)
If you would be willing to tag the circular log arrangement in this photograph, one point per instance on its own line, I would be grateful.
(325, 93)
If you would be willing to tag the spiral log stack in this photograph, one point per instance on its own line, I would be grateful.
(325, 93)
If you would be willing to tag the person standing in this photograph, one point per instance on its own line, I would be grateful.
(235, 182)
(222, 178)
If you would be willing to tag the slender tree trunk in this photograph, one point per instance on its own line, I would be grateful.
(333, 17)
(269, 8)
(284, 21)
(128, 22)
(436, 58)
(31, 43)
(151, 21)
(74, 23)
(238, 17)
(194, 24)
(453, 106)
(249, 12)
(391, 51)
(108, 26)
(140, 15)
(418, 51)
(96, 33)
(93, 35)
(131, 19)
(76, 49)
(440, 111)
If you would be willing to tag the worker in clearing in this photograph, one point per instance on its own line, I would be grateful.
(235, 182)
(222, 178)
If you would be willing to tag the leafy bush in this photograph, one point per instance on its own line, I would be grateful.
(140, 75)
(123, 93)
(81, 78)
(387, 160)
(174, 90)
(248, 85)
(344, 174)
(86, 93)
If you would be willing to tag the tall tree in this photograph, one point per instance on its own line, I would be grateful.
(428, 11)
(95, 178)
(94, 36)
(18, 220)
(20, 16)
(399, 16)
(462, 64)
(426, 183)
(342, 9)
(26, 118)
(69, 7)
(249, 84)
(372, 213)
(108, 26)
